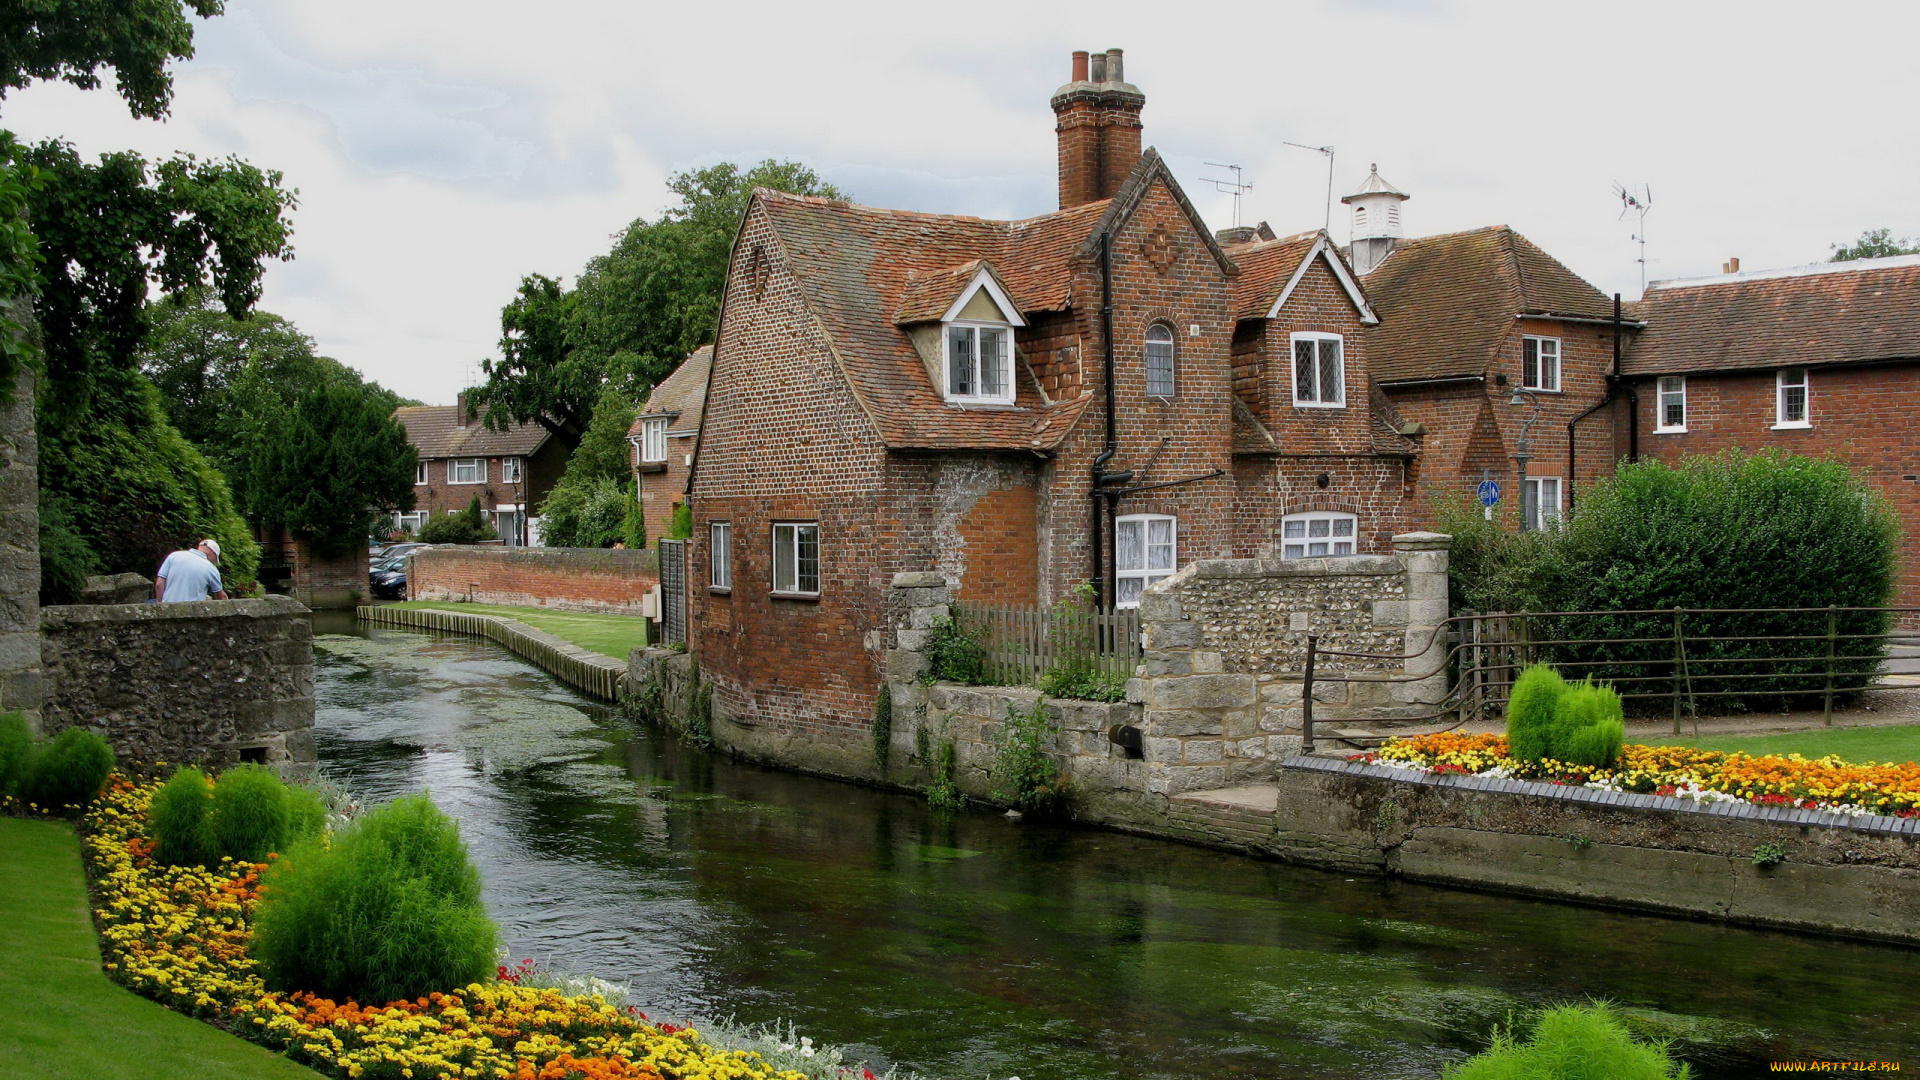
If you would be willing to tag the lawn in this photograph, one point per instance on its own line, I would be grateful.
(608, 635)
(1894, 744)
(61, 1017)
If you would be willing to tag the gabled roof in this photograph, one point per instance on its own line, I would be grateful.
(682, 394)
(940, 296)
(1447, 303)
(1271, 269)
(436, 432)
(1828, 313)
(1133, 192)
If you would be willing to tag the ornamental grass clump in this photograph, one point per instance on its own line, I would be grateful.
(1532, 711)
(389, 910)
(1589, 726)
(16, 752)
(69, 771)
(1573, 1042)
(177, 819)
(254, 814)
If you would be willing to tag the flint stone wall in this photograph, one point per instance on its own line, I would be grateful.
(202, 682)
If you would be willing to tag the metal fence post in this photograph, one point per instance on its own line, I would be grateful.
(1306, 698)
(1832, 636)
(1679, 664)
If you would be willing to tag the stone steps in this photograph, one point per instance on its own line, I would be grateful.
(1236, 815)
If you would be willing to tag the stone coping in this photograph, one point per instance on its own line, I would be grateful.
(259, 607)
(610, 560)
(1877, 824)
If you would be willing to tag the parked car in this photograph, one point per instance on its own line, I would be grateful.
(387, 575)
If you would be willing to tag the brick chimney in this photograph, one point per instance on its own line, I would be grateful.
(1098, 125)
(460, 408)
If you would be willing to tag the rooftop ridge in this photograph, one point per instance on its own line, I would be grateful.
(1850, 266)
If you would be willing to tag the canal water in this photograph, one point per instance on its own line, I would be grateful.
(968, 947)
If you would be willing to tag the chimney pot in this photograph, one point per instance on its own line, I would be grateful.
(1115, 72)
(1099, 72)
(1733, 265)
(1080, 65)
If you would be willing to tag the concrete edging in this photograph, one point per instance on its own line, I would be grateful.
(583, 669)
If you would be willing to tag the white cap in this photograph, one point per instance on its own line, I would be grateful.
(212, 543)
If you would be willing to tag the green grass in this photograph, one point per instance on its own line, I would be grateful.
(608, 635)
(1894, 743)
(61, 1017)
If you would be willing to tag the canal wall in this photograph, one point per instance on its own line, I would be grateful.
(583, 669)
(212, 682)
(610, 580)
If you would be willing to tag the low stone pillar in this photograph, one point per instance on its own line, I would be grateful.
(1200, 724)
(1426, 555)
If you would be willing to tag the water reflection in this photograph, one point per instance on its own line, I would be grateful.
(964, 947)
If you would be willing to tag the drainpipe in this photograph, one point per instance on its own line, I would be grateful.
(1102, 591)
(1613, 390)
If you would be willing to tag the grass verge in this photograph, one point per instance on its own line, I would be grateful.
(1891, 744)
(608, 635)
(62, 1017)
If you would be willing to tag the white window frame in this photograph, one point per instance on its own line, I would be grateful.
(1669, 388)
(1539, 515)
(1780, 388)
(1146, 573)
(419, 473)
(720, 556)
(1319, 381)
(453, 469)
(973, 329)
(512, 470)
(789, 578)
(1146, 355)
(410, 522)
(1302, 545)
(653, 439)
(1538, 380)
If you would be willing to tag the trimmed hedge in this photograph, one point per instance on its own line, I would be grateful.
(69, 771)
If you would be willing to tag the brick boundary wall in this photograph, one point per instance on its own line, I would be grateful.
(570, 579)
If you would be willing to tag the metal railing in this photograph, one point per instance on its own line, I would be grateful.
(1022, 643)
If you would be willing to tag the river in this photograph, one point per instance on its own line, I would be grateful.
(969, 947)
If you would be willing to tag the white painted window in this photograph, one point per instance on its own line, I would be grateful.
(979, 363)
(1673, 404)
(1319, 371)
(720, 554)
(1159, 360)
(796, 558)
(1145, 550)
(467, 470)
(419, 473)
(653, 439)
(1320, 532)
(410, 523)
(1542, 501)
(1790, 395)
(511, 471)
(1540, 363)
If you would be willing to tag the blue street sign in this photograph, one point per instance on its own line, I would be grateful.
(1489, 492)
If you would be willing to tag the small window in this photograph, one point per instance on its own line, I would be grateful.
(419, 473)
(1359, 217)
(653, 439)
(979, 363)
(1319, 371)
(1145, 550)
(1790, 399)
(1540, 363)
(1159, 360)
(1673, 404)
(796, 559)
(720, 554)
(467, 470)
(510, 471)
(1542, 501)
(1310, 536)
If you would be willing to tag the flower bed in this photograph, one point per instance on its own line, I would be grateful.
(180, 935)
(1828, 783)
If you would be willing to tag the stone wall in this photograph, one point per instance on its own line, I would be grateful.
(20, 686)
(572, 579)
(216, 682)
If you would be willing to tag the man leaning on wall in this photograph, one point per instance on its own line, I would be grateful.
(193, 574)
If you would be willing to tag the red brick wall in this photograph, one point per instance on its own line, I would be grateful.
(572, 579)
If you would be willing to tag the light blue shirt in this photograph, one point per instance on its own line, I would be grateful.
(189, 576)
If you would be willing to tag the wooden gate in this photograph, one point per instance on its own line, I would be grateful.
(673, 590)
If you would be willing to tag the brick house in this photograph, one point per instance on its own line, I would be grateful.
(1820, 360)
(665, 437)
(511, 471)
(1019, 406)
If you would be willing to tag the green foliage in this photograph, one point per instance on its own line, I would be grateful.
(633, 528)
(1572, 1042)
(943, 795)
(1083, 684)
(699, 731)
(339, 464)
(74, 39)
(17, 751)
(953, 655)
(20, 261)
(1077, 672)
(1769, 855)
(882, 725)
(605, 452)
(255, 813)
(1588, 726)
(1491, 566)
(1532, 711)
(69, 771)
(389, 909)
(1023, 765)
(589, 514)
(66, 560)
(680, 525)
(1875, 244)
(467, 526)
(177, 819)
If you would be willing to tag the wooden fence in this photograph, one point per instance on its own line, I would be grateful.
(584, 670)
(1022, 643)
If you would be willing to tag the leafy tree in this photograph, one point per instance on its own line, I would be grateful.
(340, 462)
(74, 39)
(1874, 244)
(19, 263)
(635, 312)
(605, 453)
(467, 526)
(590, 513)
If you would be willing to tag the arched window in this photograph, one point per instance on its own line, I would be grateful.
(1318, 533)
(1160, 360)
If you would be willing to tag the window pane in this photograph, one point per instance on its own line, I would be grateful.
(993, 360)
(1293, 530)
(960, 381)
(1128, 590)
(1530, 362)
(1160, 556)
(1317, 549)
(1341, 547)
(1343, 526)
(1331, 377)
(720, 554)
(1159, 361)
(1293, 551)
(1129, 549)
(1303, 383)
(808, 542)
(1318, 526)
(783, 558)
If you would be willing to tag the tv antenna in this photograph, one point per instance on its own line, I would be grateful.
(1328, 151)
(1235, 187)
(1637, 204)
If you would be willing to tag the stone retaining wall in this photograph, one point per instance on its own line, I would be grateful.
(572, 579)
(214, 682)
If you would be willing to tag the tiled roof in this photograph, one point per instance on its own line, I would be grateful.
(436, 432)
(1447, 303)
(1250, 436)
(1265, 268)
(1386, 426)
(683, 393)
(1831, 313)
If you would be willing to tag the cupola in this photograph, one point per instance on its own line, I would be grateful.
(1376, 220)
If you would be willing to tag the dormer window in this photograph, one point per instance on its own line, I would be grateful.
(653, 439)
(976, 340)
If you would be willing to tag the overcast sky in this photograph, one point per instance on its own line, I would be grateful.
(444, 149)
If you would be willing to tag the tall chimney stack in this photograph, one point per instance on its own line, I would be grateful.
(1098, 127)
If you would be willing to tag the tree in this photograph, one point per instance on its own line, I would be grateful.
(1875, 244)
(467, 526)
(340, 462)
(74, 39)
(592, 504)
(635, 312)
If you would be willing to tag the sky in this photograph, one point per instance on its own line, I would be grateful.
(443, 150)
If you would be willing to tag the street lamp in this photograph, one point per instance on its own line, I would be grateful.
(1524, 397)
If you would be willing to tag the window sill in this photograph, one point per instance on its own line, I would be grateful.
(465, 483)
(807, 596)
(1541, 390)
(1319, 405)
(1798, 425)
(981, 403)
(1669, 431)
(720, 590)
(652, 466)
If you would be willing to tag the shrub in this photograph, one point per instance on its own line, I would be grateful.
(1588, 726)
(943, 795)
(468, 526)
(1532, 710)
(882, 725)
(66, 559)
(17, 752)
(699, 730)
(1573, 1042)
(588, 512)
(254, 813)
(1083, 683)
(1024, 764)
(680, 525)
(633, 527)
(953, 655)
(70, 770)
(177, 819)
(389, 910)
